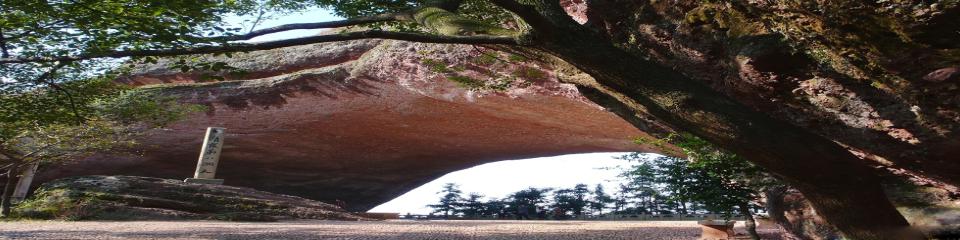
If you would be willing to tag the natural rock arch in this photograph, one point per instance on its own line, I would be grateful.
(362, 122)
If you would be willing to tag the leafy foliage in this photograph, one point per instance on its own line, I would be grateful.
(717, 180)
(473, 205)
(66, 117)
(600, 199)
(529, 202)
(48, 28)
(571, 199)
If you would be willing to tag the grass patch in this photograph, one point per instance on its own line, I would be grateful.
(435, 65)
(467, 82)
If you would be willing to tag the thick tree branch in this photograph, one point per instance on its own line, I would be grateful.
(243, 47)
(449, 5)
(448, 23)
(36, 26)
(317, 25)
(526, 12)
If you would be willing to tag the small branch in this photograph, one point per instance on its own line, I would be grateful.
(449, 5)
(243, 47)
(4, 52)
(20, 35)
(260, 14)
(509, 5)
(494, 55)
(317, 25)
(70, 100)
(11, 159)
(49, 26)
(6, 156)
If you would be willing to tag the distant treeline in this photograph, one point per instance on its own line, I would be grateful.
(707, 181)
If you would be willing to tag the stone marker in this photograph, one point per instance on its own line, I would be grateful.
(23, 185)
(717, 230)
(209, 158)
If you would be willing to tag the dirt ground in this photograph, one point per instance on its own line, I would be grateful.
(394, 229)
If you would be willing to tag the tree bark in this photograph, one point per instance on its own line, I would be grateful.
(776, 209)
(8, 191)
(838, 184)
(750, 221)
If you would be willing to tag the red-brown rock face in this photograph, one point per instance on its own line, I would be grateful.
(879, 78)
(365, 121)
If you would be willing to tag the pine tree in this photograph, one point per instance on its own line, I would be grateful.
(451, 201)
(600, 199)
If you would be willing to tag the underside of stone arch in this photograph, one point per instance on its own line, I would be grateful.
(363, 121)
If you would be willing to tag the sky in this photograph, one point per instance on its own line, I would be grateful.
(309, 15)
(496, 179)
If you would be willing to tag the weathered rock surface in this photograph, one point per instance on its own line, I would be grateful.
(145, 198)
(933, 210)
(365, 121)
(877, 77)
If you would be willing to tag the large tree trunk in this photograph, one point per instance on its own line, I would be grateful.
(8, 191)
(776, 209)
(750, 221)
(837, 183)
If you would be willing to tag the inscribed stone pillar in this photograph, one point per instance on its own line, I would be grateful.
(209, 157)
(23, 185)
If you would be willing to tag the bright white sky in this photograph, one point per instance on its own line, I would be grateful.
(310, 15)
(499, 179)
(493, 179)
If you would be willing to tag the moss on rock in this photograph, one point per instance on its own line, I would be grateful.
(144, 198)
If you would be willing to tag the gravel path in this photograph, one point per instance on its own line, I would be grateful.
(396, 229)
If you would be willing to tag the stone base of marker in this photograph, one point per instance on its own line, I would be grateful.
(717, 230)
(204, 181)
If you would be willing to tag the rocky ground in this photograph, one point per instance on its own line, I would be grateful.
(393, 229)
(145, 198)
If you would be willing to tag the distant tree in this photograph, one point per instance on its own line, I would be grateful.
(580, 194)
(531, 196)
(621, 199)
(573, 200)
(474, 206)
(450, 202)
(720, 181)
(600, 199)
(642, 185)
(495, 207)
(529, 200)
(563, 202)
